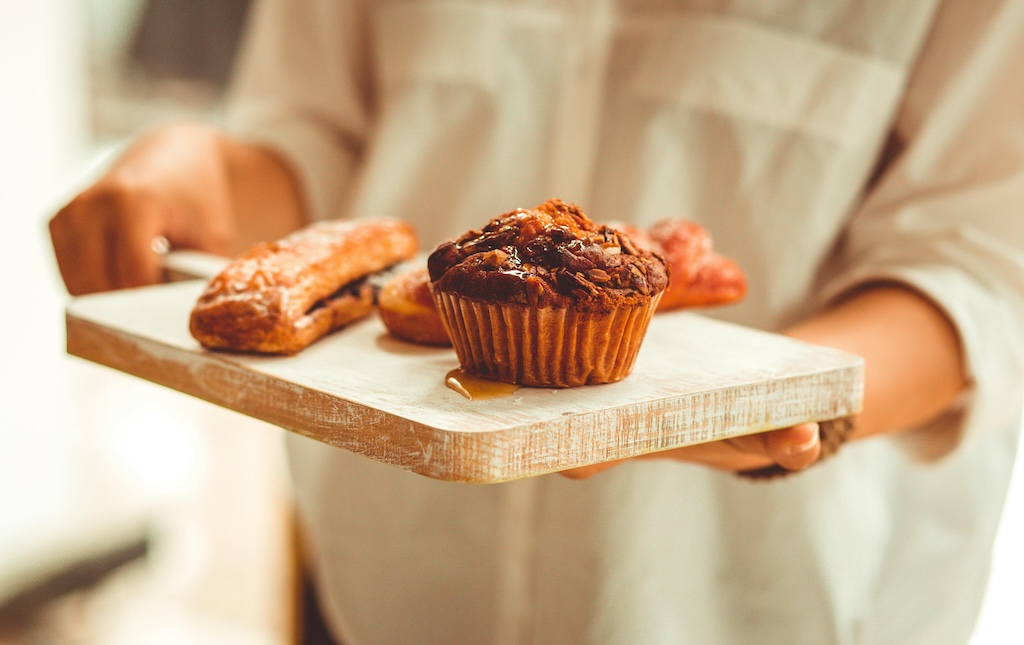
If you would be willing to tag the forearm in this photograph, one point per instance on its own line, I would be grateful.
(913, 364)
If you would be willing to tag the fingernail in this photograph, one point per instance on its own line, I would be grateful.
(808, 445)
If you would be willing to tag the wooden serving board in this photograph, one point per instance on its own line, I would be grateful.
(695, 380)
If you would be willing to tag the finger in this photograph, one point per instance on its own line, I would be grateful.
(131, 258)
(79, 248)
(737, 453)
(585, 472)
(794, 448)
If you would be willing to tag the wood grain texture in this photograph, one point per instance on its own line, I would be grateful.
(695, 380)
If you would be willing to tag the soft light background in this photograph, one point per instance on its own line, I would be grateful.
(90, 458)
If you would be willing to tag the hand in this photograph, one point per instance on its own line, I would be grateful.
(914, 369)
(793, 448)
(172, 183)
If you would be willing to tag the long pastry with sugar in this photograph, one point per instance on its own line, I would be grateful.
(279, 297)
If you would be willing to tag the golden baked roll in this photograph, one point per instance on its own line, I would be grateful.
(279, 297)
(407, 309)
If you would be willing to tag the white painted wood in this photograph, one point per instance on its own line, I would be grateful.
(187, 265)
(695, 380)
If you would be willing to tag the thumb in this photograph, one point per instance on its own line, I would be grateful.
(794, 448)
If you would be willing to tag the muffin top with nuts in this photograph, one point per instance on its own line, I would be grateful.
(549, 256)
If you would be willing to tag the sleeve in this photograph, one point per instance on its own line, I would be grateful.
(945, 214)
(300, 88)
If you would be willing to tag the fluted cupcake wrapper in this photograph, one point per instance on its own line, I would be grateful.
(544, 347)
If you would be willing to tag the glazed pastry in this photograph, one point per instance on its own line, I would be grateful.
(700, 276)
(279, 297)
(546, 297)
(407, 309)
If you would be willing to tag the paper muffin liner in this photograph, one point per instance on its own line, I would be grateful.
(544, 347)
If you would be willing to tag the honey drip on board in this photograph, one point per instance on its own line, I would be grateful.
(475, 388)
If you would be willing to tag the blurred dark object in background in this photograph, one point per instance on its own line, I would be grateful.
(34, 600)
(154, 61)
(191, 40)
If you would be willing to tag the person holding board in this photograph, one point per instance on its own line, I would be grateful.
(862, 161)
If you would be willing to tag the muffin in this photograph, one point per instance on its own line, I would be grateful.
(546, 297)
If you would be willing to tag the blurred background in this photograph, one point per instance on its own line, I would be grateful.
(130, 513)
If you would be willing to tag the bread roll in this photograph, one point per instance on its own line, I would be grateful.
(407, 309)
